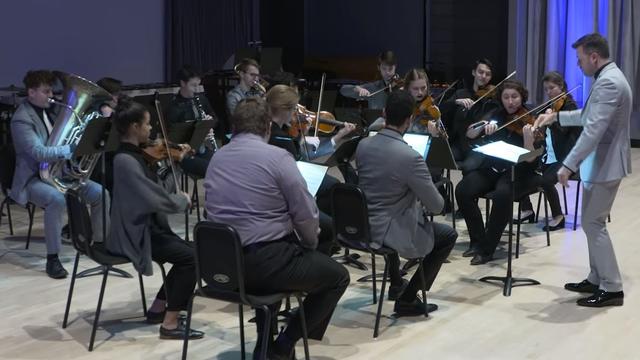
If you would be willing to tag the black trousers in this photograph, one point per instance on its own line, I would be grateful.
(284, 266)
(181, 279)
(548, 182)
(197, 164)
(478, 183)
(444, 240)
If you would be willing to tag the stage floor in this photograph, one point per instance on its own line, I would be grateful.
(474, 321)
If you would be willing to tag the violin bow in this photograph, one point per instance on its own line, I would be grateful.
(324, 77)
(165, 139)
(494, 88)
(441, 96)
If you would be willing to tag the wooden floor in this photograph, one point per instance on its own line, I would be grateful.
(475, 321)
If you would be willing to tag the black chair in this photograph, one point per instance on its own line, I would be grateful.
(220, 275)
(82, 239)
(351, 230)
(195, 199)
(488, 197)
(7, 170)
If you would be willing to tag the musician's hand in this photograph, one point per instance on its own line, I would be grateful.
(490, 128)
(362, 92)
(545, 120)
(467, 103)
(188, 198)
(528, 135)
(432, 128)
(207, 117)
(313, 141)
(344, 131)
(563, 176)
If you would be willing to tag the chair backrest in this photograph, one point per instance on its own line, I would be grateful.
(79, 223)
(219, 258)
(350, 214)
(7, 167)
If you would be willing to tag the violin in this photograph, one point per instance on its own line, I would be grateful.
(557, 106)
(156, 151)
(482, 92)
(303, 119)
(517, 121)
(427, 110)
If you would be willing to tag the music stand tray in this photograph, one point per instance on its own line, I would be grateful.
(514, 155)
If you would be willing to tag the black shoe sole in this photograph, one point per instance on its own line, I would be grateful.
(611, 302)
(416, 311)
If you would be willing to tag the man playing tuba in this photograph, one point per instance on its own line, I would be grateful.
(31, 127)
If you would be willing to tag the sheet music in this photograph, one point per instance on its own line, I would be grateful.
(418, 142)
(502, 150)
(313, 175)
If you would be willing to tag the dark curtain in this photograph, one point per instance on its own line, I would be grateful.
(204, 33)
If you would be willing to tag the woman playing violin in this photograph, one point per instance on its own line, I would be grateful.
(559, 142)
(140, 228)
(493, 175)
(388, 79)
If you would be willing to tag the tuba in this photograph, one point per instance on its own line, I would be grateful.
(80, 104)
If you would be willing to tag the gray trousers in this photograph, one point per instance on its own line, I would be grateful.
(597, 201)
(54, 204)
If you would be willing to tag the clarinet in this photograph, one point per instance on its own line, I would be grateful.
(211, 138)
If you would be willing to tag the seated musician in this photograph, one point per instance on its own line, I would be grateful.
(387, 68)
(493, 175)
(257, 189)
(559, 142)
(188, 105)
(140, 228)
(282, 101)
(249, 85)
(459, 111)
(397, 184)
(31, 126)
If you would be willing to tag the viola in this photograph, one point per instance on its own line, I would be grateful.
(427, 110)
(482, 92)
(517, 121)
(303, 119)
(156, 151)
(557, 106)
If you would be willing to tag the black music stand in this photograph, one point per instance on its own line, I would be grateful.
(190, 132)
(99, 137)
(508, 280)
(440, 156)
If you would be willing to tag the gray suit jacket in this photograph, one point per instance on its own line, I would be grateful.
(397, 184)
(30, 137)
(603, 149)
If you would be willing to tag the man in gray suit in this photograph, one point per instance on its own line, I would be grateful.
(398, 187)
(30, 128)
(602, 154)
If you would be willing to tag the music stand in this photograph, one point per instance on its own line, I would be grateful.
(190, 132)
(514, 155)
(439, 155)
(99, 137)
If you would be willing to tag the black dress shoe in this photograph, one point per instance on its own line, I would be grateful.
(531, 218)
(603, 298)
(55, 270)
(395, 291)
(414, 308)
(583, 287)
(178, 333)
(480, 259)
(555, 227)
(471, 251)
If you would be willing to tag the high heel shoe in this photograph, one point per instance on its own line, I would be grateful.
(555, 227)
(531, 218)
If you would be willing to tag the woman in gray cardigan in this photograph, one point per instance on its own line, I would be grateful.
(139, 226)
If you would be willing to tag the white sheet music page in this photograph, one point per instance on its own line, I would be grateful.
(313, 175)
(502, 150)
(418, 142)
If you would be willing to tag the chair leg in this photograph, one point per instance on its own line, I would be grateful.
(185, 343)
(373, 277)
(303, 325)
(575, 210)
(546, 218)
(487, 209)
(30, 210)
(564, 197)
(424, 287)
(197, 198)
(185, 184)
(453, 204)
(518, 230)
(164, 280)
(144, 298)
(379, 312)
(266, 331)
(243, 351)
(73, 282)
(9, 218)
(537, 215)
(97, 316)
